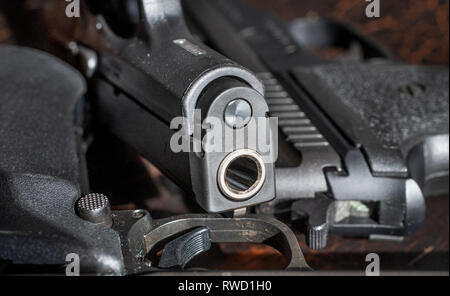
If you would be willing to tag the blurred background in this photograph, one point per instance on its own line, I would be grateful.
(414, 31)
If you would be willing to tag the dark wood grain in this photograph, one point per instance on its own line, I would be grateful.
(416, 31)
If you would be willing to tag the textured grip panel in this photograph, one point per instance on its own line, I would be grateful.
(38, 94)
(387, 108)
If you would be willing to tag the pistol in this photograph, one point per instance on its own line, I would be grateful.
(269, 128)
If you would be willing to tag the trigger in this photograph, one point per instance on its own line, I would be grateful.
(183, 249)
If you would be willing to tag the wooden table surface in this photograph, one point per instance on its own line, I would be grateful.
(416, 31)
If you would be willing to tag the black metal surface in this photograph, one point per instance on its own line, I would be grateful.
(384, 107)
(428, 165)
(134, 124)
(269, 42)
(303, 151)
(146, 81)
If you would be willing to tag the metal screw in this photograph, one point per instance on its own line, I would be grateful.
(95, 208)
(238, 113)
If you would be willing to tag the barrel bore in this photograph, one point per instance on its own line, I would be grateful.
(241, 175)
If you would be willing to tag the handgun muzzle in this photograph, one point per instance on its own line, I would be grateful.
(241, 175)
